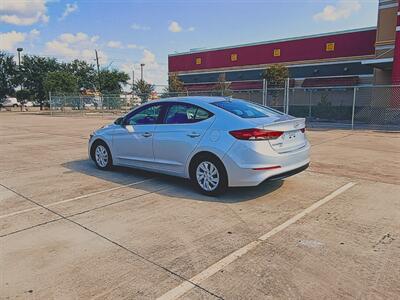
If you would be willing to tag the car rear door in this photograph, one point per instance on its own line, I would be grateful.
(176, 138)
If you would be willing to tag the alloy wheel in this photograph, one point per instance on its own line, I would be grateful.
(207, 176)
(101, 155)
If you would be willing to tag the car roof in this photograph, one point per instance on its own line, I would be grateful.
(191, 99)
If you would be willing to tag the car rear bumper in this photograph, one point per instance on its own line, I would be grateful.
(247, 175)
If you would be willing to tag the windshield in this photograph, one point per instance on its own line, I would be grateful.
(246, 110)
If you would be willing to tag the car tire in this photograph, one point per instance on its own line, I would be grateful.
(15, 105)
(208, 175)
(101, 155)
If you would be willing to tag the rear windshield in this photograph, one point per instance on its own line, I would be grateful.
(246, 110)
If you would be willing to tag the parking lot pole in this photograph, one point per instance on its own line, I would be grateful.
(263, 93)
(65, 101)
(102, 106)
(287, 95)
(354, 107)
(284, 99)
(51, 110)
(82, 105)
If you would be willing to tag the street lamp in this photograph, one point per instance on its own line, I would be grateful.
(19, 57)
(19, 50)
(141, 71)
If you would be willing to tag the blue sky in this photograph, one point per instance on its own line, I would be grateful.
(127, 33)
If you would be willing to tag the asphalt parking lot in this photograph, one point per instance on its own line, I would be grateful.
(70, 231)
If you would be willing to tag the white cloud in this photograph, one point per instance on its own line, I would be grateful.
(94, 38)
(10, 40)
(57, 47)
(115, 44)
(69, 9)
(134, 46)
(136, 26)
(343, 10)
(23, 12)
(154, 72)
(74, 38)
(120, 45)
(34, 33)
(174, 27)
(75, 46)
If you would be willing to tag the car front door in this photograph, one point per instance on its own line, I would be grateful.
(133, 141)
(176, 138)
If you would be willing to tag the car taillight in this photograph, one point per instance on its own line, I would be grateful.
(255, 134)
(303, 130)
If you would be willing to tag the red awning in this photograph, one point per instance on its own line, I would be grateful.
(246, 85)
(235, 86)
(200, 87)
(331, 81)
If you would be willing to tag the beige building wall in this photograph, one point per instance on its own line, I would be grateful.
(386, 31)
(385, 38)
(382, 77)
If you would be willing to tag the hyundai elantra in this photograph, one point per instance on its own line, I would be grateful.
(215, 142)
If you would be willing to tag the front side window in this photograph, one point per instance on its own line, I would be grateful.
(246, 110)
(186, 113)
(146, 116)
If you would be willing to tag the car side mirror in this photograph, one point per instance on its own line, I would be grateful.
(119, 121)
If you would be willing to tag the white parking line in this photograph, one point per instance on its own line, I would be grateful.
(75, 198)
(186, 286)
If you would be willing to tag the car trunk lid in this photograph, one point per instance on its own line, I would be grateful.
(293, 137)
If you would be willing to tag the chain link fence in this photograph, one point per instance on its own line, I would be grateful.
(376, 107)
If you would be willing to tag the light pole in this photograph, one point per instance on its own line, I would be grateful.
(141, 71)
(19, 50)
(19, 57)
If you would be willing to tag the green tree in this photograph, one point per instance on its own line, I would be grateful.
(175, 85)
(34, 70)
(112, 81)
(23, 95)
(61, 82)
(143, 89)
(223, 86)
(85, 73)
(8, 75)
(276, 75)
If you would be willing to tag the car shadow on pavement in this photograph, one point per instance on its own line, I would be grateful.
(174, 187)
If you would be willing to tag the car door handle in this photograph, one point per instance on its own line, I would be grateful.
(193, 134)
(146, 134)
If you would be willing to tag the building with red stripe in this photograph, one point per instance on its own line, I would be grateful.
(366, 56)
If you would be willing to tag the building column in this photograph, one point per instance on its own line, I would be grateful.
(396, 56)
(395, 98)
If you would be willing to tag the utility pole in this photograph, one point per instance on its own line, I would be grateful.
(141, 71)
(133, 81)
(98, 69)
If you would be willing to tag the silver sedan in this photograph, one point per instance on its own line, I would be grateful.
(213, 141)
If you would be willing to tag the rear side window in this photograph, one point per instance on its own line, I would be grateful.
(246, 110)
(185, 113)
